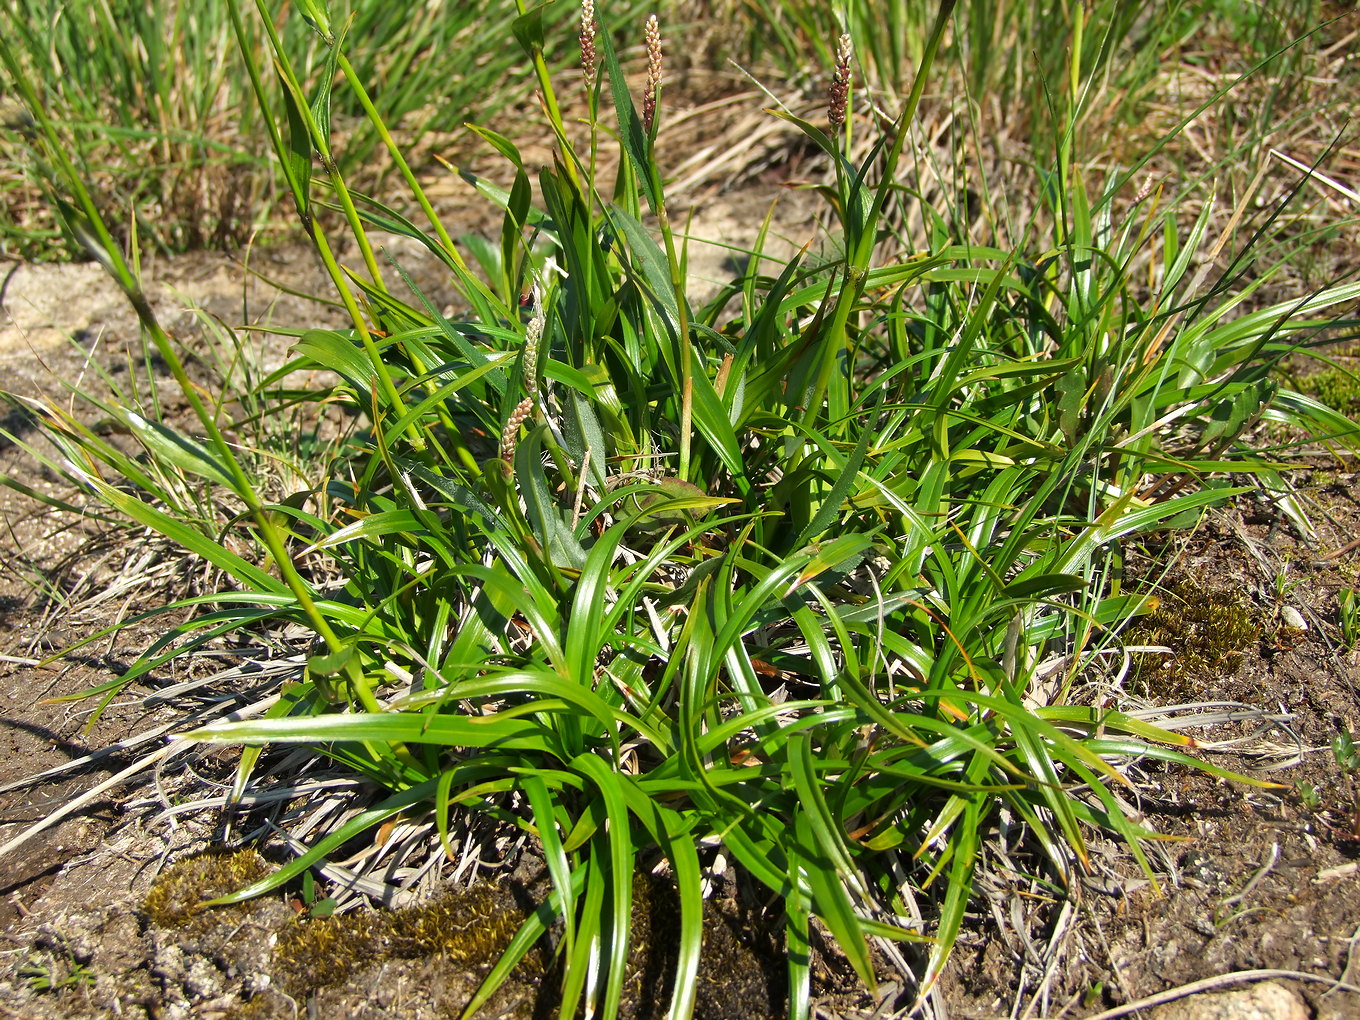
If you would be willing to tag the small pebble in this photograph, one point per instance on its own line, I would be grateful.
(1293, 618)
(1265, 1001)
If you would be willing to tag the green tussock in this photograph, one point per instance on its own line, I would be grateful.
(644, 571)
(1206, 629)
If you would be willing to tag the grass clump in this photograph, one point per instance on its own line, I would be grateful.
(47, 973)
(1206, 629)
(771, 574)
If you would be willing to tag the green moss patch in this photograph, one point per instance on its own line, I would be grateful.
(175, 897)
(468, 927)
(1206, 630)
(1335, 387)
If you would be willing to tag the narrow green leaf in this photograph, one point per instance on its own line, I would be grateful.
(830, 899)
(500, 730)
(631, 133)
(555, 534)
(171, 447)
(533, 928)
(185, 537)
(297, 161)
(622, 864)
(833, 503)
(543, 805)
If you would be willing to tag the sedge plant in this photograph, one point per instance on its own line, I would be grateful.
(775, 574)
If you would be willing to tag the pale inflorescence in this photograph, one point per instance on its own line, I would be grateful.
(653, 72)
(590, 57)
(510, 434)
(533, 336)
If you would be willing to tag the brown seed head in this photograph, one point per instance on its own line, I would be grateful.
(653, 86)
(510, 434)
(839, 95)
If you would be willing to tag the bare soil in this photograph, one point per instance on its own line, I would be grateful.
(1250, 879)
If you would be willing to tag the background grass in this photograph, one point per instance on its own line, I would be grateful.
(154, 101)
(821, 573)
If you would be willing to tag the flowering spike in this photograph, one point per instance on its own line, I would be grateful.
(510, 434)
(590, 57)
(653, 86)
(533, 336)
(839, 95)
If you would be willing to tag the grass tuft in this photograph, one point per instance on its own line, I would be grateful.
(158, 112)
(801, 576)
